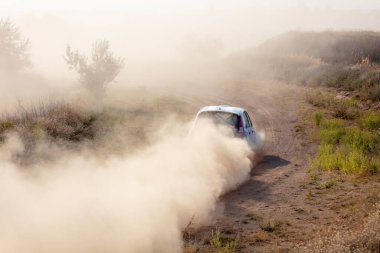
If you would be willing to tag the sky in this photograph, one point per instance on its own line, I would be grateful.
(143, 6)
(155, 31)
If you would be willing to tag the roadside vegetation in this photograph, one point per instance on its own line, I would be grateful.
(346, 61)
(348, 137)
(89, 117)
(342, 72)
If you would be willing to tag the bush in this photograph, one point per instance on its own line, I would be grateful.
(346, 78)
(319, 98)
(370, 88)
(344, 108)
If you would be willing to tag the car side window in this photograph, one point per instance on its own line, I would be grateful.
(246, 122)
(247, 119)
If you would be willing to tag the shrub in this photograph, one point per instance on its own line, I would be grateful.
(370, 88)
(271, 225)
(319, 98)
(344, 108)
(346, 78)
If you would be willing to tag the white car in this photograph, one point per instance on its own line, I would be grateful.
(236, 118)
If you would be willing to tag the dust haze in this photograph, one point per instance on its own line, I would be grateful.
(145, 181)
(171, 43)
(136, 204)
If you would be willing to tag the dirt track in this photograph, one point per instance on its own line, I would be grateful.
(279, 191)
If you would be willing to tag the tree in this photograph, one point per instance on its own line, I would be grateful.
(13, 49)
(95, 74)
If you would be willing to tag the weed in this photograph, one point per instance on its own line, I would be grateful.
(271, 225)
(261, 236)
(373, 167)
(221, 245)
(314, 177)
(253, 216)
(326, 185)
(317, 118)
(344, 108)
(309, 195)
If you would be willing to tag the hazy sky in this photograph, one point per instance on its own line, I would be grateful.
(159, 30)
(172, 5)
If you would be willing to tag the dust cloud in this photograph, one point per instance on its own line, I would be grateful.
(80, 203)
(84, 202)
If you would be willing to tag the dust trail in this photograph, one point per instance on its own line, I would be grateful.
(137, 204)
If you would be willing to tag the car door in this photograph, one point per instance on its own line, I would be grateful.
(249, 131)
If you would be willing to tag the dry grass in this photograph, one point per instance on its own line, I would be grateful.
(261, 236)
(121, 127)
(271, 225)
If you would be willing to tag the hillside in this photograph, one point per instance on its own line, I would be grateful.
(344, 60)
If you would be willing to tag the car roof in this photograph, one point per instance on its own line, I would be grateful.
(222, 108)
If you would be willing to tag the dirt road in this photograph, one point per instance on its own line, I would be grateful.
(277, 209)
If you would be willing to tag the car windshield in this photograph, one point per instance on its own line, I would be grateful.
(221, 118)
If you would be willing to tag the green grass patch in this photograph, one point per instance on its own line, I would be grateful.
(345, 159)
(332, 131)
(349, 149)
(370, 121)
(361, 140)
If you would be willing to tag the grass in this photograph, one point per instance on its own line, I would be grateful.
(318, 118)
(270, 225)
(331, 132)
(349, 140)
(59, 121)
(370, 121)
(349, 149)
(343, 108)
(261, 236)
(223, 245)
(123, 124)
